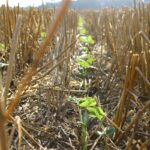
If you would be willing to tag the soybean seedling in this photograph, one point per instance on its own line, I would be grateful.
(84, 60)
(87, 109)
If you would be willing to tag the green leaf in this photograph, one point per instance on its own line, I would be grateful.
(87, 102)
(2, 47)
(83, 31)
(89, 60)
(86, 39)
(83, 38)
(83, 63)
(80, 22)
(43, 34)
(85, 60)
(83, 73)
(85, 49)
(96, 112)
(90, 39)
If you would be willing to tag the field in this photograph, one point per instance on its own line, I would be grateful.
(75, 80)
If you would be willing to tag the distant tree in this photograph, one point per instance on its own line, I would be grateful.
(97, 4)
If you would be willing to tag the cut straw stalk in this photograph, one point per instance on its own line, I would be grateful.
(134, 121)
(129, 82)
(39, 55)
(3, 143)
(12, 59)
(27, 78)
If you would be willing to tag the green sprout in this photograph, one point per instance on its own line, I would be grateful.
(87, 109)
(80, 22)
(85, 60)
(2, 47)
(86, 39)
(43, 35)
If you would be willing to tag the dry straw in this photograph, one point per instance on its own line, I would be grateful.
(28, 76)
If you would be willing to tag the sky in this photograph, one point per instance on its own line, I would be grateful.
(25, 3)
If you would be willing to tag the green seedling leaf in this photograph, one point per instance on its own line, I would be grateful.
(83, 31)
(43, 35)
(85, 49)
(85, 60)
(96, 112)
(87, 102)
(83, 39)
(80, 22)
(86, 39)
(82, 73)
(90, 40)
(83, 63)
(2, 47)
(89, 59)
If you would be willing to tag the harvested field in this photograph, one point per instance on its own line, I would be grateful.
(75, 80)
